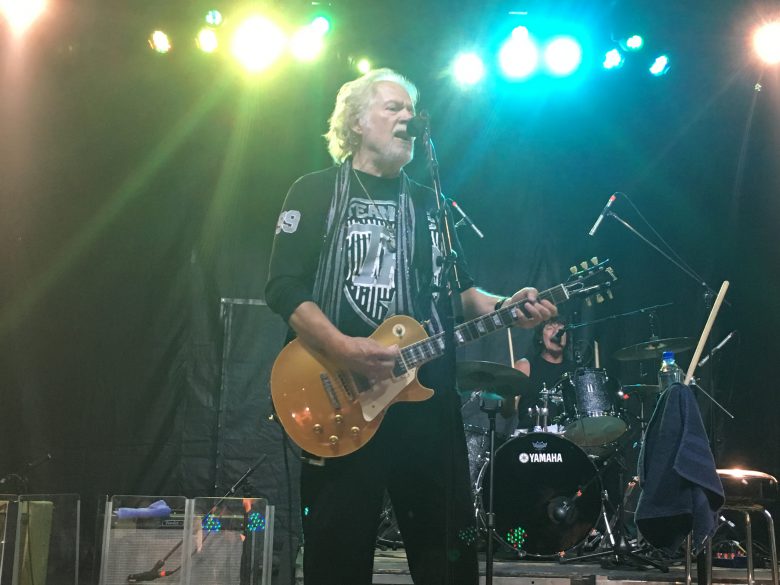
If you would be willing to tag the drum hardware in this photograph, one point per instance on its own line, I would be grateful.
(619, 549)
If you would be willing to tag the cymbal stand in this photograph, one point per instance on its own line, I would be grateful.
(619, 551)
(490, 407)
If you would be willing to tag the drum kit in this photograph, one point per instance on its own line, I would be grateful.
(546, 495)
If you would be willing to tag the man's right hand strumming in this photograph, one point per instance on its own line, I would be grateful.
(360, 355)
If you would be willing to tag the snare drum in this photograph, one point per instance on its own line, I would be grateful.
(590, 413)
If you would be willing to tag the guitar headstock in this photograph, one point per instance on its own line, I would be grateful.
(593, 279)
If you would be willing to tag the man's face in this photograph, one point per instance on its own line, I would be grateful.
(382, 127)
(548, 334)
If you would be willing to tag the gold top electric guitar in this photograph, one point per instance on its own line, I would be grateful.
(330, 413)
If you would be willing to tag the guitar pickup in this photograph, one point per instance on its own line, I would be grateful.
(330, 391)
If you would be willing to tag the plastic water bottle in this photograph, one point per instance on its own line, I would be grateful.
(670, 372)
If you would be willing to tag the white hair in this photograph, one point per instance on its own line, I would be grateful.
(351, 102)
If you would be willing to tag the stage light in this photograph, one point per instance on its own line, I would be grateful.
(160, 42)
(258, 43)
(207, 40)
(766, 42)
(321, 25)
(306, 44)
(563, 55)
(660, 66)
(518, 56)
(613, 59)
(214, 18)
(20, 14)
(634, 43)
(468, 69)
(363, 66)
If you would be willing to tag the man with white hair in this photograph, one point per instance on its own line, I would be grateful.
(355, 244)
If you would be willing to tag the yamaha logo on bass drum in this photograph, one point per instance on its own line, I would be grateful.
(540, 457)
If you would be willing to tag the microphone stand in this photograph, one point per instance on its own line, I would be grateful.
(156, 571)
(448, 283)
(708, 297)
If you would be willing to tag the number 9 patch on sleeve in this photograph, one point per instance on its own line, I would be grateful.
(288, 221)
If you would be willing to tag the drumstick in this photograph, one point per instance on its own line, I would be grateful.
(706, 333)
(596, 353)
(511, 348)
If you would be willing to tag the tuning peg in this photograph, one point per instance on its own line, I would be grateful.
(584, 265)
(573, 270)
(588, 301)
(609, 294)
(594, 260)
(599, 298)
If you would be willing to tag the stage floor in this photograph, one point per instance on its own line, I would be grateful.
(390, 568)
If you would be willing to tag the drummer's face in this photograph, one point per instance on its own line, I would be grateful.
(549, 332)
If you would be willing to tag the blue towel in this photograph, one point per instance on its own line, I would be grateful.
(681, 490)
(158, 509)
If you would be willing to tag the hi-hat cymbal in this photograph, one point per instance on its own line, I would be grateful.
(654, 348)
(499, 379)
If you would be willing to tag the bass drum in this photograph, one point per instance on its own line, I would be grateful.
(547, 495)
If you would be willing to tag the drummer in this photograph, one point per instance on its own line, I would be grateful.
(545, 368)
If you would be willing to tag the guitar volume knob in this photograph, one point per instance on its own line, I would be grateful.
(338, 418)
(317, 428)
(355, 431)
(333, 439)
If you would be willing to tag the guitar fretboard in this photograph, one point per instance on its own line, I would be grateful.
(421, 352)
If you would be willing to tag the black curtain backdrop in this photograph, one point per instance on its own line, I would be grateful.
(139, 195)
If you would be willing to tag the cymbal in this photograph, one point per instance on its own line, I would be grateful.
(499, 379)
(642, 390)
(654, 348)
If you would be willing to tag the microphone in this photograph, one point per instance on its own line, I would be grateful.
(716, 349)
(600, 218)
(466, 218)
(418, 125)
(562, 511)
(559, 334)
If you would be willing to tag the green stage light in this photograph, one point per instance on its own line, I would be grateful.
(363, 66)
(660, 66)
(563, 56)
(634, 43)
(468, 69)
(207, 40)
(518, 56)
(613, 59)
(321, 25)
(160, 42)
(214, 18)
(258, 43)
(307, 43)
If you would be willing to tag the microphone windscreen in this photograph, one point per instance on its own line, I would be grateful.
(416, 126)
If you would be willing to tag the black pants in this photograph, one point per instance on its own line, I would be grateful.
(419, 456)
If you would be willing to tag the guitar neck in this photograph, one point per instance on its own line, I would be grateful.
(417, 354)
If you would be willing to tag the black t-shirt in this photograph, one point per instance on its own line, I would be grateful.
(371, 279)
(543, 374)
